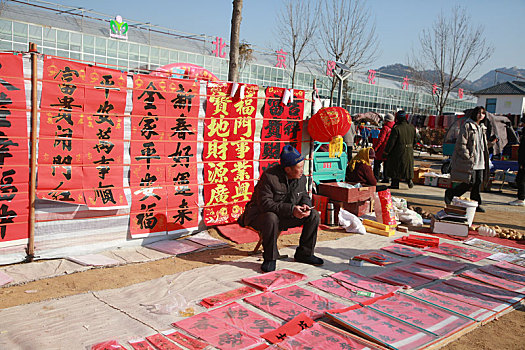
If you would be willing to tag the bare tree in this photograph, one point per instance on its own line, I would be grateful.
(297, 26)
(448, 53)
(233, 69)
(346, 34)
(245, 55)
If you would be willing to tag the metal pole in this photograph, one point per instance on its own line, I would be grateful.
(32, 181)
(340, 92)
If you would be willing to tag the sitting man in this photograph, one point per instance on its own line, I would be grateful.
(280, 201)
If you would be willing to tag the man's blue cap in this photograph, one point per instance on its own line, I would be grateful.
(290, 156)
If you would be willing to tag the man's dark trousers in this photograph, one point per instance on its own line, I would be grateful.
(269, 225)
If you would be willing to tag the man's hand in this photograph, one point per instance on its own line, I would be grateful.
(301, 211)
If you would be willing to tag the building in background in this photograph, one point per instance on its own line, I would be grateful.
(506, 99)
(79, 34)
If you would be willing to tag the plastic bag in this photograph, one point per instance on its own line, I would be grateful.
(410, 217)
(384, 208)
(350, 222)
(173, 303)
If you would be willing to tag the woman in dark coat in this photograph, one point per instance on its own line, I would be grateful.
(399, 152)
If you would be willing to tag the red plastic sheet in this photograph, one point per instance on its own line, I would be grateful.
(483, 289)
(421, 314)
(282, 124)
(469, 297)
(244, 319)
(402, 251)
(321, 336)
(61, 144)
(162, 343)
(505, 274)
(364, 282)
(402, 278)
(475, 312)
(14, 159)
(226, 297)
(378, 258)
(141, 344)
(187, 341)
(228, 152)
(108, 345)
(274, 279)
(278, 306)
(382, 328)
(216, 332)
(493, 280)
(345, 290)
(460, 252)
(290, 328)
(308, 299)
(425, 271)
(442, 264)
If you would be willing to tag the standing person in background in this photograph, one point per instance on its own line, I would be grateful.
(520, 178)
(399, 152)
(380, 143)
(348, 138)
(470, 160)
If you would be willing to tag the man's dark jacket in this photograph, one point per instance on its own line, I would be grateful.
(275, 193)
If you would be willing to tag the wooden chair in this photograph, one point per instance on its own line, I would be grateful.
(259, 243)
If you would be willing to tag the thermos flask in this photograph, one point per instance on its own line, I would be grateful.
(330, 215)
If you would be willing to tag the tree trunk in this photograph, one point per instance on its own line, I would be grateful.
(233, 72)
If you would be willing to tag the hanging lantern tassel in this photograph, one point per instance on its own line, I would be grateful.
(335, 147)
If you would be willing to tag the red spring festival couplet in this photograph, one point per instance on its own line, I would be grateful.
(228, 152)
(14, 160)
(282, 125)
(60, 145)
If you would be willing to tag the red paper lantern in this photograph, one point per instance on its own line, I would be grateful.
(329, 125)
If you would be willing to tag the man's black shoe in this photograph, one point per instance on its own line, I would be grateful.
(410, 184)
(480, 209)
(268, 266)
(312, 259)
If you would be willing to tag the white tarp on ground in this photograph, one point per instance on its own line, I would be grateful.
(79, 321)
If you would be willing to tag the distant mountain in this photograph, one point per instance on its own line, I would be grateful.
(487, 80)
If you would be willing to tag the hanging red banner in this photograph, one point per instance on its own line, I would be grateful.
(182, 112)
(14, 159)
(148, 161)
(228, 152)
(282, 124)
(104, 138)
(61, 131)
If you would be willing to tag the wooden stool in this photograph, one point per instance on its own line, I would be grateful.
(259, 243)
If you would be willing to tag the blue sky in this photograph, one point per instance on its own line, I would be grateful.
(398, 23)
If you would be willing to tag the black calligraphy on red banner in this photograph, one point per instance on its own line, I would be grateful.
(14, 159)
(228, 152)
(60, 146)
(282, 124)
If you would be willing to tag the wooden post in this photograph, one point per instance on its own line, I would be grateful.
(32, 181)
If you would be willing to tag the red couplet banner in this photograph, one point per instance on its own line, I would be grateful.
(14, 159)
(228, 152)
(61, 135)
(282, 124)
(163, 173)
(103, 146)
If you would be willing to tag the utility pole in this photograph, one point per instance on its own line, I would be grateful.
(233, 71)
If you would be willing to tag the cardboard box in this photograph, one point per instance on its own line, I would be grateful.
(444, 182)
(358, 208)
(376, 224)
(431, 181)
(449, 228)
(418, 175)
(387, 233)
(347, 195)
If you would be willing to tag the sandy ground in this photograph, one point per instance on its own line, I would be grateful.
(505, 332)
